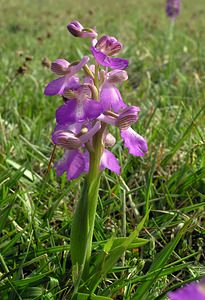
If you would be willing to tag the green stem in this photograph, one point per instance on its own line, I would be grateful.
(84, 217)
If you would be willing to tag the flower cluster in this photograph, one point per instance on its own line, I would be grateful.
(92, 102)
(173, 8)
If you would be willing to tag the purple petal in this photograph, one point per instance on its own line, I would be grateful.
(78, 111)
(60, 66)
(109, 161)
(117, 76)
(106, 61)
(55, 87)
(72, 163)
(72, 82)
(87, 136)
(58, 86)
(192, 291)
(74, 68)
(71, 127)
(135, 143)
(110, 97)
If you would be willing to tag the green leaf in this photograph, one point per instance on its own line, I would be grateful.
(106, 261)
(159, 264)
(82, 296)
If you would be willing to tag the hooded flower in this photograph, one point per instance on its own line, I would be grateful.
(68, 81)
(106, 47)
(71, 138)
(135, 143)
(77, 30)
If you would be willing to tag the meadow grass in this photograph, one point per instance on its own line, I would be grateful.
(166, 79)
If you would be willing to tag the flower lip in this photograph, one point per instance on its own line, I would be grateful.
(77, 30)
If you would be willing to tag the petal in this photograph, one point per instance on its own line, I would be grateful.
(135, 143)
(109, 161)
(71, 127)
(78, 111)
(55, 87)
(117, 76)
(72, 163)
(127, 117)
(106, 61)
(74, 68)
(110, 97)
(72, 82)
(60, 66)
(188, 292)
(58, 86)
(87, 136)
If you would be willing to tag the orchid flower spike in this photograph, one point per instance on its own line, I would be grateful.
(92, 102)
(173, 8)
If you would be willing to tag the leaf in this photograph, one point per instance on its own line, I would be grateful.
(106, 261)
(158, 264)
(82, 296)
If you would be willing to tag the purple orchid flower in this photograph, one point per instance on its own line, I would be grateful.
(110, 96)
(135, 143)
(90, 106)
(71, 137)
(68, 80)
(105, 47)
(173, 8)
(72, 162)
(77, 30)
(191, 291)
(79, 107)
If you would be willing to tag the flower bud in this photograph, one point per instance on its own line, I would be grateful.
(77, 30)
(128, 117)
(109, 140)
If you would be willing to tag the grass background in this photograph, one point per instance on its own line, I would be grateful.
(166, 79)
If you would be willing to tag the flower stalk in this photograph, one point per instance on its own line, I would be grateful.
(91, 103)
